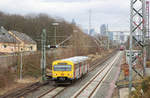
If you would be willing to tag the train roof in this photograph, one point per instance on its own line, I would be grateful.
(76, 59)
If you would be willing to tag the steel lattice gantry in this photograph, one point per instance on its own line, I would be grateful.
(138, 30)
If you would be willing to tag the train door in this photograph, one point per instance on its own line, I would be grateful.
(77, 71)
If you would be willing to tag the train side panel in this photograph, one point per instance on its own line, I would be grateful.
(80, 70)
(68, 70)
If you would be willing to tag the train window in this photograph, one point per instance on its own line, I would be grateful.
(62, 63)
(62, 67)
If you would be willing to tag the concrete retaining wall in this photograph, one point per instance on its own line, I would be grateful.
(6, 61)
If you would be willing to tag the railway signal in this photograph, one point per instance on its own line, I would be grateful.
(52, 46)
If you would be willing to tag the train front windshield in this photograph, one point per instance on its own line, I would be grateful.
(62, 67)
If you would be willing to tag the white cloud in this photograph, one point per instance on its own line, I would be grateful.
(114, 12)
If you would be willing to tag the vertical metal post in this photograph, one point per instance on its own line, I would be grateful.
(139, 31)
(148, 32)
(131, 38)
(108, 37)
(89, 28)
(55, 31)
(43, 53)
(144, 33)
(137, 10)
(147, 12)
(55, 34)
(21, 66)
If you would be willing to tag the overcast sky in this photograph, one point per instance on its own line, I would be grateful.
(112, 12)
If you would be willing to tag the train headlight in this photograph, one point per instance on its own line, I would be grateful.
(69, 74)
(55, 74)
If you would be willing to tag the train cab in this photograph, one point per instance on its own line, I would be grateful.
(67, 70)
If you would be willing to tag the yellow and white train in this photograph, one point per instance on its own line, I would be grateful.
(67, 70)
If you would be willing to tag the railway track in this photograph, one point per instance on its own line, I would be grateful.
(101, 61)
(21, 92)
(56, 91)
(52, 92)
(88, 90)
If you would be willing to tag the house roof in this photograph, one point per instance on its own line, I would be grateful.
(25, 38)
(5, 37)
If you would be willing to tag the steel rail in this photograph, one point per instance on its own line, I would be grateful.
(104, 67)
(33, 87)
(51, 90)
(101, 61)
(92, 68)
(22, 92)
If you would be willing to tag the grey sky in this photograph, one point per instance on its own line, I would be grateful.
(112, 12)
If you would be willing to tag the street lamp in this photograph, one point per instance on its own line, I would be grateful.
(55, 24)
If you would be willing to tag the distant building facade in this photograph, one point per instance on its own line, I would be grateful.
(111, 35)
(122, 37)
(73, 22)
(13, 41)
(92, 32)
(103, 30)
(85, 31)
